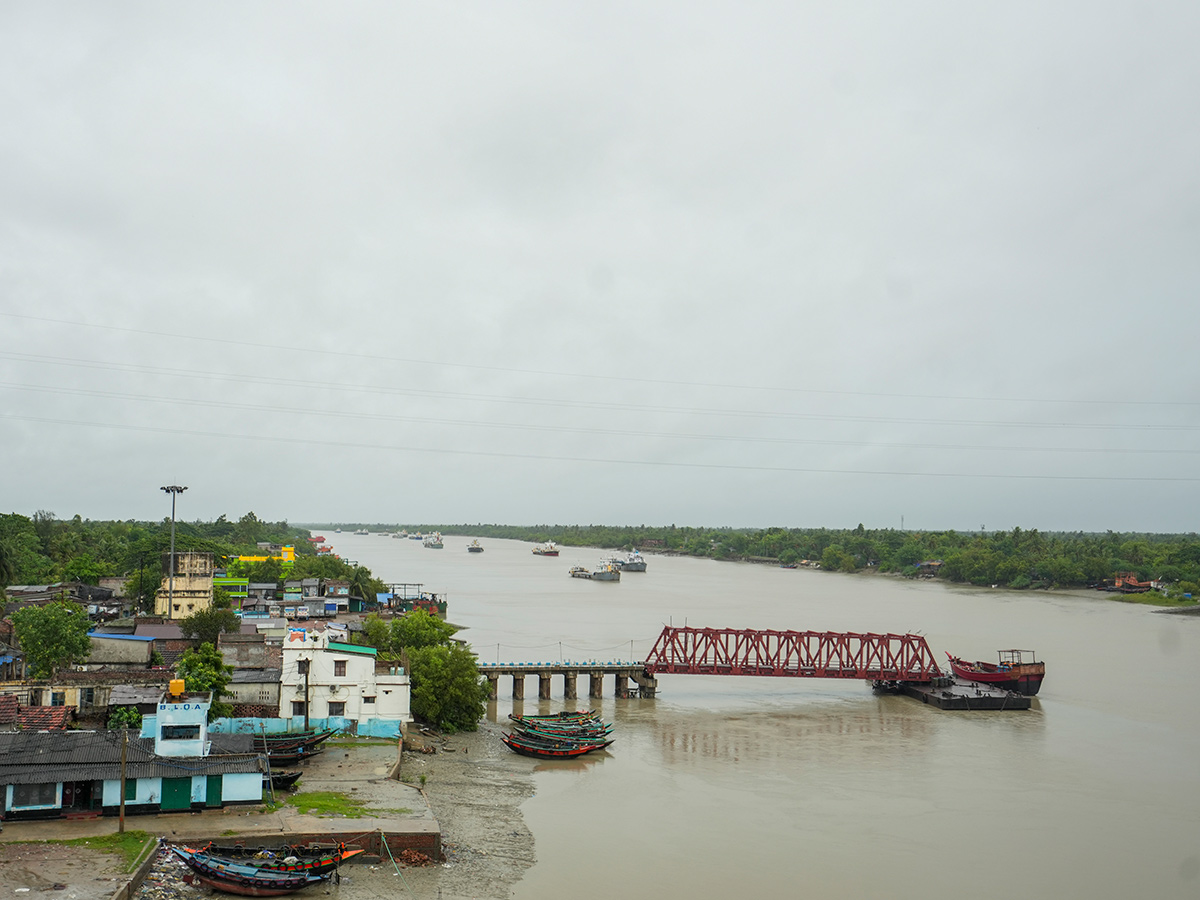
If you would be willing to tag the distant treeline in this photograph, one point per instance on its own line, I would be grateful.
(1014, 559)
(44, 549)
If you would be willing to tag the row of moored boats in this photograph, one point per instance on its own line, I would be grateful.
(561, 736)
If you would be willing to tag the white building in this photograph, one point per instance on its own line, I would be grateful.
(330, 680)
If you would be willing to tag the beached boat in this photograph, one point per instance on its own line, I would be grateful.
(579, 572)
(314, 861)
(244, 880)
(547, 549)
(283, 781)
(1017, 670)
(551, 749)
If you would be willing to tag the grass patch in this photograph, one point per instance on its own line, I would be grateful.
(329, 803)
(1154, 598)
(131, 845)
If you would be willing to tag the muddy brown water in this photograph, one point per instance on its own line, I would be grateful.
(773, 787)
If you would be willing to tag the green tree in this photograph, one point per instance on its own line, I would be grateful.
(419, 629)
(447, 688)
(207, 625)
(125, 717)
(203, 669)
(52, 636)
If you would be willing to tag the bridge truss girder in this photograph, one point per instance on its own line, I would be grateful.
(794, 654)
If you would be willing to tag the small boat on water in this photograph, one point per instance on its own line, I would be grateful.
(244, 880)
(608, 571)
(547, 549)
(416, 536)
(475, 547)
(552, 748)
(579, 572)
(630, 562)
(1017, 670)
(433, 540)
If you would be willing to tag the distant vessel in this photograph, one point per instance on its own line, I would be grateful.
(607, 572)
(1013, 673)
(416, 536)
(433, 540)
(399, 534)
(362, 531)
(475, 547)
(630, 562)
(580, 572)
(547, 549)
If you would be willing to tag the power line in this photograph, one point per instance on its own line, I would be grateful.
(563, 429)
(259, 438)
(339, 354)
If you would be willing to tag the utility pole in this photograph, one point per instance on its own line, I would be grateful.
(124, 745)
(172, 489)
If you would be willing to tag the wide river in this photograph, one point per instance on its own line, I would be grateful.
(774, 787)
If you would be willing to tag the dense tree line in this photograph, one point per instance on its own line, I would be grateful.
(1016, 559)
(44, 549)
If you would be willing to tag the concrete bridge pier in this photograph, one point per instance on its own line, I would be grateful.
(622, 689)
(493, 685)
(596, 684)
(647, 684)
(518, 687)
(543, 685)
(570, 688)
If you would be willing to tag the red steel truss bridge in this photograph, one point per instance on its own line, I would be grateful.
(793, 654)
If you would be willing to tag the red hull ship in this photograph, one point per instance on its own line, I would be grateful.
(1014, 672)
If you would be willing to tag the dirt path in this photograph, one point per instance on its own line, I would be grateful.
(58, 871)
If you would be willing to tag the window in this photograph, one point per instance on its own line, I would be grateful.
(58, 698)
(298, 707)
(337, 709)
(368, 699)
(35, 795)
(339, 668)
(302, 666)
(181, 732)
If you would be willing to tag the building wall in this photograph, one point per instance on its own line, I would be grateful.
(391, 694)
(115, 651)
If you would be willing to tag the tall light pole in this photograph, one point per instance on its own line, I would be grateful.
(172, 489)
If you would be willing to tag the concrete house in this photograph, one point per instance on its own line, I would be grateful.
(170, 767)
(191, 589)
(338, 685)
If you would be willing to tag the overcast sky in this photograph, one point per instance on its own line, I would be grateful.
(920, 264)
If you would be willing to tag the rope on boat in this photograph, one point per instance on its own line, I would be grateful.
(383, 840)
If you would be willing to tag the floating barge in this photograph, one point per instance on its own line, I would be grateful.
(954, 693)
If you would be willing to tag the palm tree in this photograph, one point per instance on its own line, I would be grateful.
(361, 583)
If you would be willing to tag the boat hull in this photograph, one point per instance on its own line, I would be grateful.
(245, 880)
(1024, 679)
(561, 749)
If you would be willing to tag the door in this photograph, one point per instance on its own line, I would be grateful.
(176, 794)
(213, 798)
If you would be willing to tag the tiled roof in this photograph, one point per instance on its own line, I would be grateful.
(44, 718)
(33, 757)
(8, 709)
(255, 676)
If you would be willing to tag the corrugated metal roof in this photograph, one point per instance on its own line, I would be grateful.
(45, 757)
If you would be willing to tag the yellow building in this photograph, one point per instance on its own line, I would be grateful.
(190, 591)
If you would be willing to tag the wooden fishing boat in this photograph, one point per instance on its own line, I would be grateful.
(551, 749)
(244, 880)
(1017, 670)
(590, 730)
(284, 781)
(291, 739)
(564, 716)
(285, 859)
